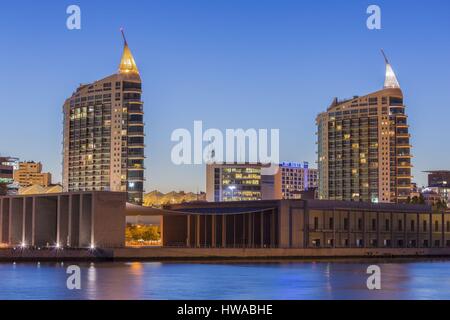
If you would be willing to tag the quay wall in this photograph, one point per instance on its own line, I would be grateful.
(161, 253)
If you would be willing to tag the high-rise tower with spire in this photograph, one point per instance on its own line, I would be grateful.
(364, 151)
(104, 133)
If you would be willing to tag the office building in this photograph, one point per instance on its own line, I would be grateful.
(30, 173)
(7, 167)
(233, 182)
(6, 171)
(104, 134)
(364, 150)
(439, 182)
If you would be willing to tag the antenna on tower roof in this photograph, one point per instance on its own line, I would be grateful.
(385, 57)
(123, 35)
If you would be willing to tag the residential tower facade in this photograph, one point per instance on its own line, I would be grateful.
(364, 150)
(104, 134)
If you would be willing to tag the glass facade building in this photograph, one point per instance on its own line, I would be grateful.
(233, 182)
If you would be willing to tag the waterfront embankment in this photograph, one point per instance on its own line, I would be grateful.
(164, 253)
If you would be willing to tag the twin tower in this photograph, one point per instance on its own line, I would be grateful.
(104, 134)
(364, 151)
(363, 143)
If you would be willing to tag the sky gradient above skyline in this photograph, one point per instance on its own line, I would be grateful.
(232, 64)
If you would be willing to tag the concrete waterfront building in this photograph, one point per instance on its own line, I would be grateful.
(304, 224)
(97, 219)
(233, 182)
(364, 150)
(104, 134)
(30, 173)
(77, 220)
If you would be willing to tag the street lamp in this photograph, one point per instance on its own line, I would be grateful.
(232, 188)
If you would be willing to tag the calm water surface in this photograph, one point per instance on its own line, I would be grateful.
(217, 280)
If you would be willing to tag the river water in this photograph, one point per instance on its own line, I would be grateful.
(405, 279)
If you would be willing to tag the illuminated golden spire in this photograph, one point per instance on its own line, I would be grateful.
(390, 81)
(127, 63)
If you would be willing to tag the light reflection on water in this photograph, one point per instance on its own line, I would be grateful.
(220, 280)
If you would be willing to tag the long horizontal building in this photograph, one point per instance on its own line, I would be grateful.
(96, 219)
(75, 220)
(304, 224)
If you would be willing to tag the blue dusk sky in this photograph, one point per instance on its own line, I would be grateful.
(230, 63)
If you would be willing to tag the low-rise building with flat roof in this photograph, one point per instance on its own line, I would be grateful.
(305, 224)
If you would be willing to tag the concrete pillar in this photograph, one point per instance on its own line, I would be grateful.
(79, 222)
(392, 231)
(1, 219)
(24, 221)
(33, 219)
(262, 228)
(4, 238)
(69, 231)
(63, 220)
(213, 231)
(305, 225)
(378, 230)
(15, 221)
(45, 220)
(85, 221)
(364, 229)
(197, 231)
(188, 232)
(442, 229)
(224, 231)
(430, 233)
(74, 221)
(349, 227)
(244, 230)
(249, 229)
(253, 230)
(272, 229)
(205, 233)
(334, 228)
(234, 231)
(405, 232)
(418, 244)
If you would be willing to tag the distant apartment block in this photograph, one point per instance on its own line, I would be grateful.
(30, 173)
(291, 181)
(364, 149)
(104, 134)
